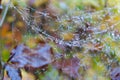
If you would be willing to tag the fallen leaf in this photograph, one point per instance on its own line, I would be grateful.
(37, 57)
(27, 75)
(115, 74)
(68, 66)
(17, 35)
(13, 72)
(24, 57)
(0, 6)
(67, 36)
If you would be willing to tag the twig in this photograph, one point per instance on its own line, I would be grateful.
(1, 23)
(5, 12)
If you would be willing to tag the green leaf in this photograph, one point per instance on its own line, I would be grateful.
(5, 55)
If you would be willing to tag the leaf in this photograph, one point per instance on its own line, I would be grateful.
(68, 66)
(30, 59)
(115, 74)
(27, 75)
(5, 54)
(5, 31)
(35, 58)
(17, 35)
(13, 72)
(0, 6)
(67, 36)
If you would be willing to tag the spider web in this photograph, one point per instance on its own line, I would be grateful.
(72, 22)
(96, 18)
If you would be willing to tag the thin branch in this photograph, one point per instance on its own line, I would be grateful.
(4, 13)
(1, 23)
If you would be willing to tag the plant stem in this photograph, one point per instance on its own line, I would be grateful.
(4, 13)
(1, 65)
(1, 47)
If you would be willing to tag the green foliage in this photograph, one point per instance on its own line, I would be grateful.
(5, 55)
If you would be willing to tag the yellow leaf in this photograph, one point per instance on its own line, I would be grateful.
(10, 19)
(117, 18)
(27, 76)
(20, 24)
(103, 27)
(67, 36)
(40, 2)
(31, 42)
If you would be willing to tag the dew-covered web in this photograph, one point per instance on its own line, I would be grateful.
(85, 21)
(85, 26)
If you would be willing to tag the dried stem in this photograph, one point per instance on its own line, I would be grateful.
(4, 13)
(1, 65)
(1, 47)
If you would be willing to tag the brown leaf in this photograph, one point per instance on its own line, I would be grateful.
(0, 6)
(115, 74)
(5, 30)
(68, 66)
(17, 35)
(35, 58)
(13, 72)
(32, 59)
